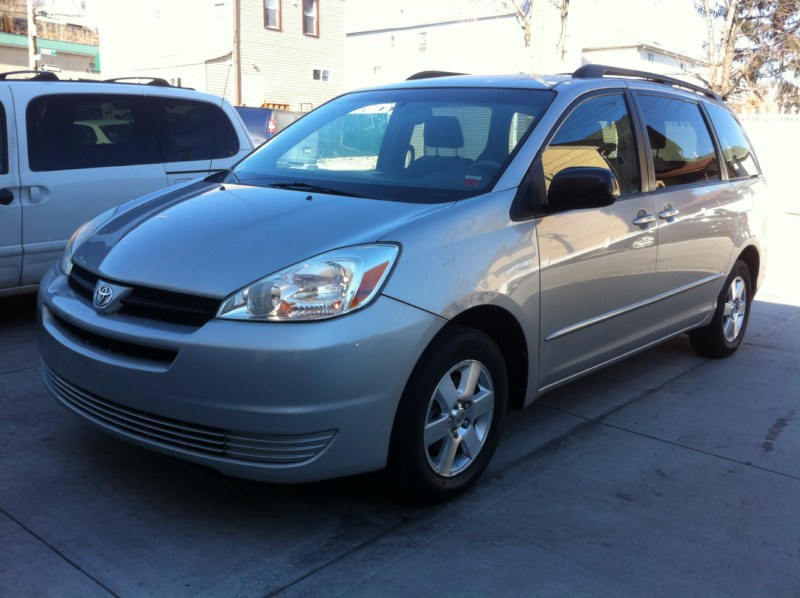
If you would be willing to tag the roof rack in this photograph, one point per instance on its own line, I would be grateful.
(51, 76)
(157, 81)
(598, 71)
(431, 75)
(37, 75)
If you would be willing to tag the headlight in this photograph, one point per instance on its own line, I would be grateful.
(79, 236)
(325, 286)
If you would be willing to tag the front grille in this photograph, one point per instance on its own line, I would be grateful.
(205, 441)
(117, 347)
(150, 303)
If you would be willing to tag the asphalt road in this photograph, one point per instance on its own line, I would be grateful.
(666, 475)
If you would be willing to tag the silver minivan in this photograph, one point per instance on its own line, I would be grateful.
(454, 248)
(70, 150)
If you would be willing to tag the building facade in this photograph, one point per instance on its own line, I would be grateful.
(277, 53)
(650, 57)
(60, 40)
(468, 36)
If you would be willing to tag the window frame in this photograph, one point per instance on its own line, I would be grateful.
(4, 161)
(314, 33)
(650, 183)
(226, 137)
(531, 198)
(719, 139)
(279, 26)
(148, 144)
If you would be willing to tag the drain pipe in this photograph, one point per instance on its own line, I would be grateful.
(237, 49)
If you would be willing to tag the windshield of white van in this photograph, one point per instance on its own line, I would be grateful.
(412, 145)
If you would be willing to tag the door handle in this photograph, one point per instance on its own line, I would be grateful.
(6, 197)
(643, 219)
(668, 213)
(35, 194)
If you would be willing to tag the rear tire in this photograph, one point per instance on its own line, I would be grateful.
(449, 419)
(723, 335)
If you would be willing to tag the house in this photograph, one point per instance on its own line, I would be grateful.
(65, 41)
(277, 53)
(502, 36)
(469, 36)
(646, 56)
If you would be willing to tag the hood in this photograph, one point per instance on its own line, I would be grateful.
(213, 239)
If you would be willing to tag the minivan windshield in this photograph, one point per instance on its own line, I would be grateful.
(410, 145)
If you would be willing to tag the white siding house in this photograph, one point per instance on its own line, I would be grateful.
(287, 53)
(467, 36)
(645, 57)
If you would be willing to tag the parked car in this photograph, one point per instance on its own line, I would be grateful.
(456, 248)
(72, 149)
(265, 123)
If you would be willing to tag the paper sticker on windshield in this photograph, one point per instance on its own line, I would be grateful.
(472, 180)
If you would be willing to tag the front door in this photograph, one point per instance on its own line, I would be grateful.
(597, 265)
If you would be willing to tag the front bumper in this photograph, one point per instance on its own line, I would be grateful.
(274, 402)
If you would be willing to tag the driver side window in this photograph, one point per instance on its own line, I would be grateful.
(597, 133)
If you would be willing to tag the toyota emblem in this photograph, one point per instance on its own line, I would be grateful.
(103, 295)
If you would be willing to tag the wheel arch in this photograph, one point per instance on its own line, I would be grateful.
(751, 257)
(504, 329)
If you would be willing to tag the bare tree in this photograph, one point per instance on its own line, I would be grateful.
(753, 49)
(563, 9)
(524, 12)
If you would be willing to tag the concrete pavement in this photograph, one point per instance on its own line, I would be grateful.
(665, 475)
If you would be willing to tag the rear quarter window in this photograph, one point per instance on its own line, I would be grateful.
(75, 131)
(740, 161)
(192, 130)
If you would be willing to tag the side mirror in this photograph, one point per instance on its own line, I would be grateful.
(582, 187)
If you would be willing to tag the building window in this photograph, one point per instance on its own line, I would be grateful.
(423, 41)
(650, 57)
(272, 14)
(311, 17)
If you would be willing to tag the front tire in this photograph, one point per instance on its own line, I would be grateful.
(449, 419)
(723, 335)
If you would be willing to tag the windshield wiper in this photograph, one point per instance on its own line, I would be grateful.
(302, 186)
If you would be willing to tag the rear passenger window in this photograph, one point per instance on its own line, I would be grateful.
(191, 130)
(680, 143)
(71, 131)
(597, 134)
(739, 159)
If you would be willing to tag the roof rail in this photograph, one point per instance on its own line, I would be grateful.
(431, 75)
(598, 71)
(37, 76)
(157, 81)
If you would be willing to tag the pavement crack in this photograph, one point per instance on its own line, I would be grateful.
(701, 451)
(17, 371)
(589, 422)
(340, 557)
(64, 557)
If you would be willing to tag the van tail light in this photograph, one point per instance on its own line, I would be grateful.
(271, 126)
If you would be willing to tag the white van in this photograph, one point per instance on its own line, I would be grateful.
(72, 149)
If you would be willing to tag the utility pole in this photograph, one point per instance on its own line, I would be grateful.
(33, 54)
